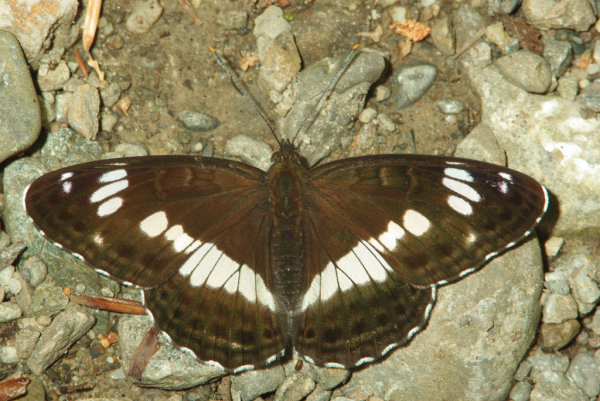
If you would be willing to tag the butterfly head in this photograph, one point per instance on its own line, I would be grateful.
(287, 154)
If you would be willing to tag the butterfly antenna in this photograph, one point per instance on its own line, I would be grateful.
(237, 85)
(329, 87)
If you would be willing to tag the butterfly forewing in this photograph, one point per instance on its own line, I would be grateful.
(431, 218)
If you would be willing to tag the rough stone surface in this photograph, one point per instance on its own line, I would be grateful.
(555, 386)
(250, 150)
(295, 388)
(20, 114)
(590, 97)
(481, 144)
(527, 70)
(143, 16)
(583, 372)
(559, 308)
(411, 83)
(582, 273)
(502, 303)
(43, 27)
(280, 65)
(442, 34)
(254, 383)
(170, 368)
(557, 336)
(66, 328)
(82, 111)
(267, 27)
(338, 113)
(565, 14)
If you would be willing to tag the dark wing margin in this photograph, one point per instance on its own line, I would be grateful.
(433, 219)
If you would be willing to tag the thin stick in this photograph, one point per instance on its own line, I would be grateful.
(237, 85)
(468, 44)
(81, 63)
(329, 87)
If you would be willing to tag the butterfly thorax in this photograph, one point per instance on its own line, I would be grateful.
(287, 180)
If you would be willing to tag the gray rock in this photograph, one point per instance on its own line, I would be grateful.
(47, 110)
(235, 19)
(19, 107)
(10, 254)
(280, 65)
(450, 106)
(523, 370)
(385, 123)
(195, 121)
(481, 144)
(82, 111)
(25, 297)
(267, 27)
(546, 138)
(129, 150)
(170, 368)
(583, 372)
(521, 391)
(411, 83)
(582, 272)
(42, 31)
(55, 79)
(25, 341)
(555, 336)
(367, 115)
(49, 300)
(143, 16)
(254, 383)
(108, 121)
(567, 14)
(66, 328)
(559, 308)
(480, 55)
(526, 70)
(382, 93)
(555, 386)
(8, 355)
(542, 361)
(327, 378)
(251, 150)
(36, 391)
(319, 394)
(590, 97)
(442, 34)
(322, 134)
(295, 388)
(568, 87)
(33, 270)
(557, 282)
(9, 311)
(498, 36)
(559, 54)
(110, 95)
(61, 101)
(73, 84)
(479, 359)
(502, 6)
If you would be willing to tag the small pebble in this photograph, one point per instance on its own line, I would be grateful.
(9, 311)
(107, 292)
(450, 106)
(143, 16)
(584, 83)
(385, 123)
(110, 360)
(382, 93)
(367, 115)
(521, 391)
(44, 320)
(553, 245)
(6, 275)
(398, 14)
(117, 374)
(8, 355)
(14, 286)
(195, 121)
(451, 119)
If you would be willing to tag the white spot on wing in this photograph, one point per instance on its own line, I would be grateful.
(194, 260)
(110, 206)
(362, 361)
(460, 205)
(108, 190)
(461, 189)
(155, 224)
(180, 239)
(111, 176)
(66, 176)
(391, 237)
(459, 174)
(414, 331)
(506, 176)
(389, 348)
(503, 187)
(67, 186)
(415, 222)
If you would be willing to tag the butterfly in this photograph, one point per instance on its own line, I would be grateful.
(338, 262)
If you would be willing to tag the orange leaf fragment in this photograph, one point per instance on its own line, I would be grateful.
(412, 29)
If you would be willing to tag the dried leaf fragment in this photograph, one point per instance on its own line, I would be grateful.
(190, 11)
(11, 389)
(90, 26)
(247, 62)
(412, 29)
(94, 64)
(375, 35)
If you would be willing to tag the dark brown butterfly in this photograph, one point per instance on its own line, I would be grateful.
(339, 262)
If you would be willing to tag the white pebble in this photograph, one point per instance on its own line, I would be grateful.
(14, 286)
(584, 83)
(8, 355)
(117, 374)
(6, 275)
(367, 115)
(398, 14)
(143, 16)
(593, 68)
(44, 320)
(110, 360)
(107, 292)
